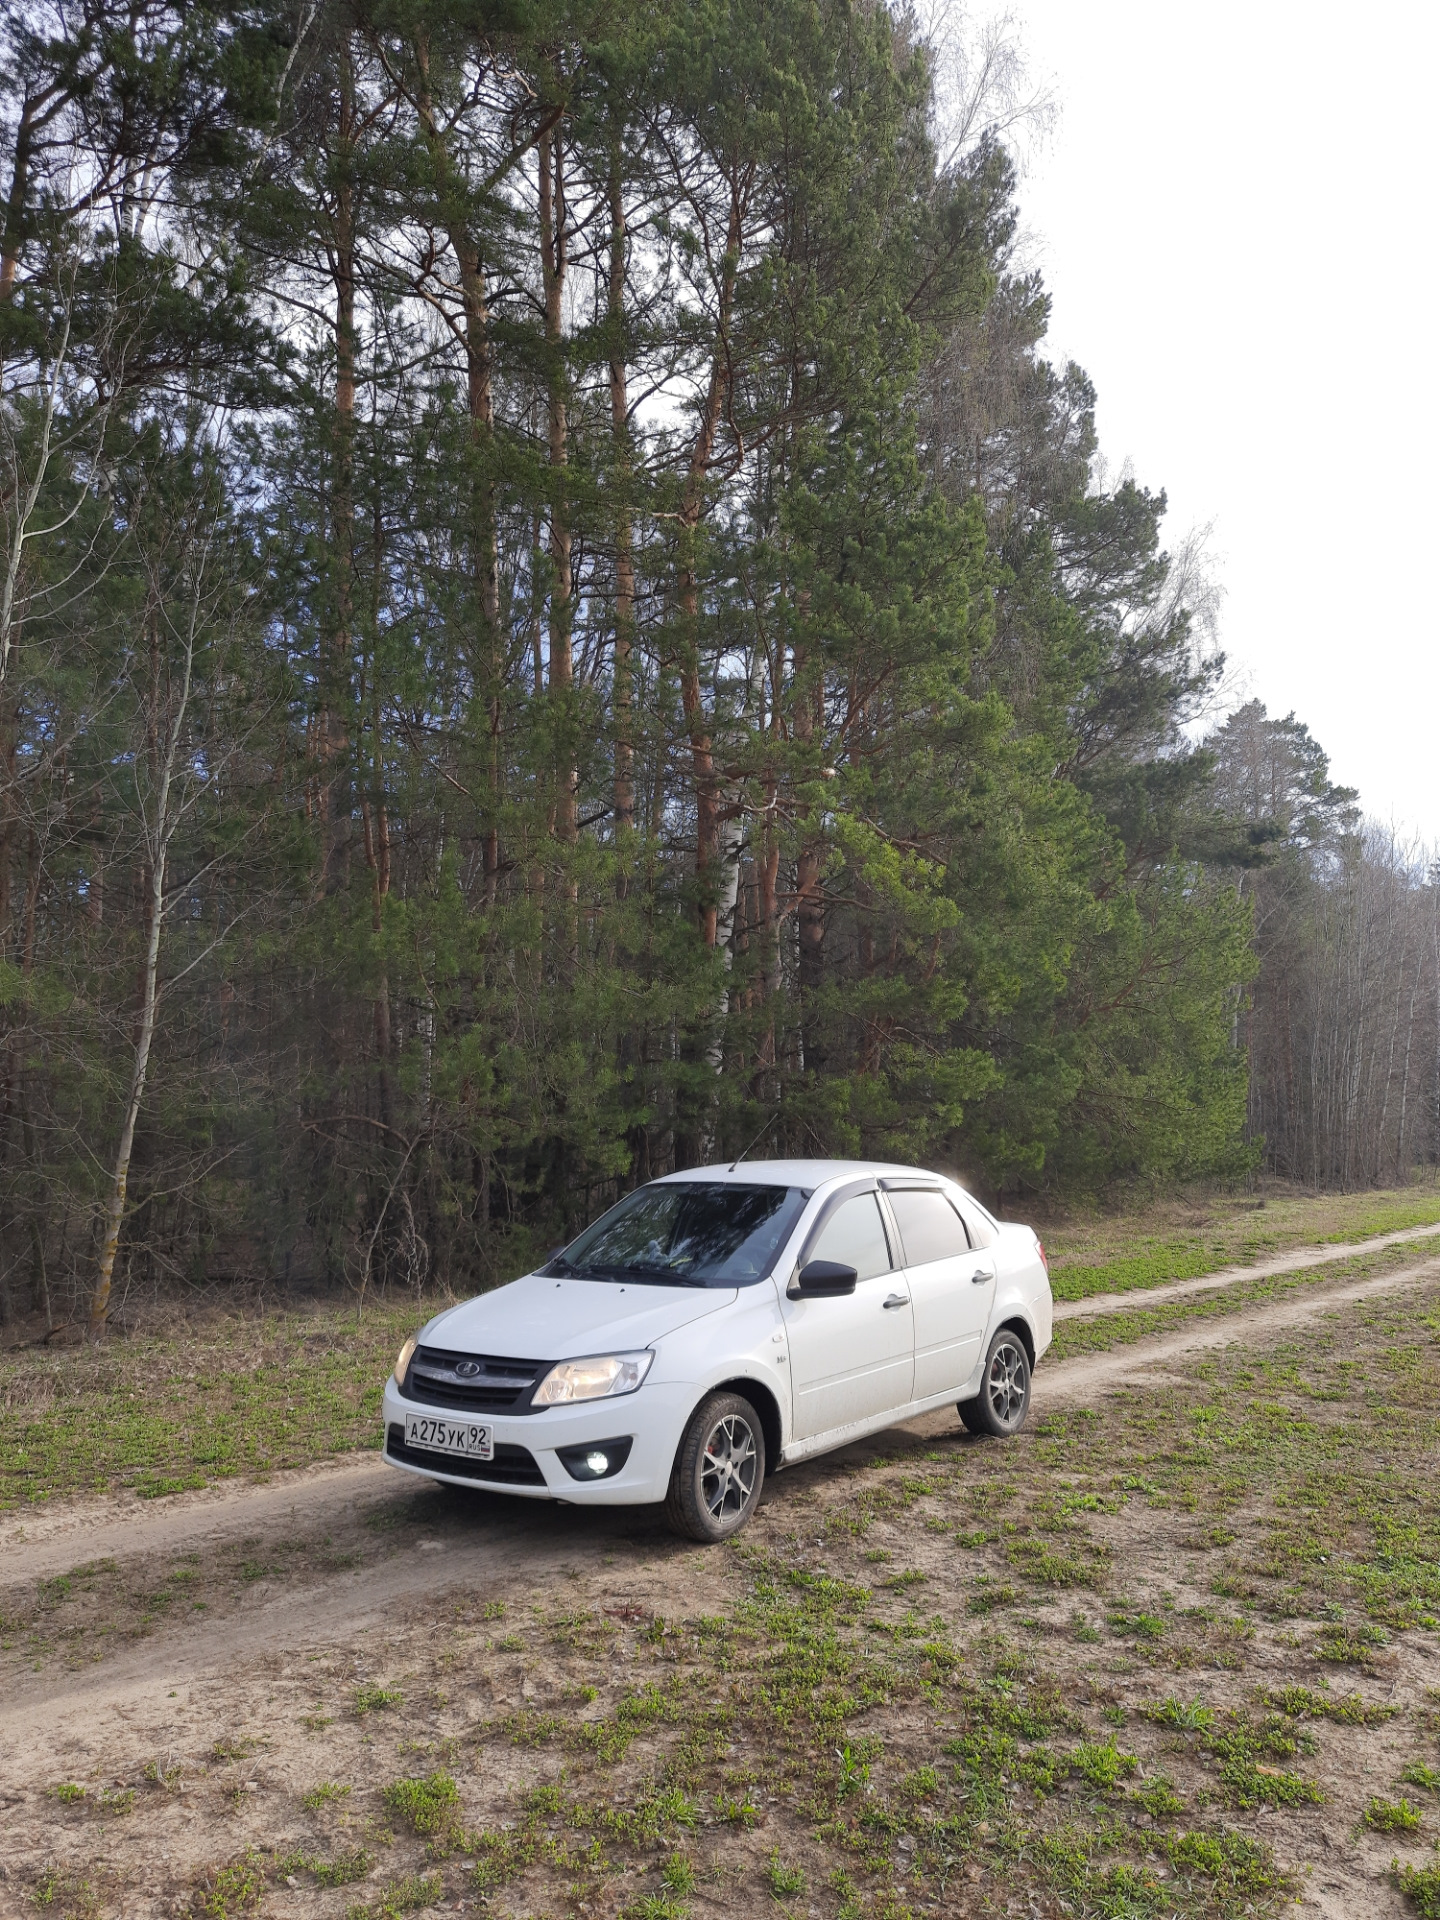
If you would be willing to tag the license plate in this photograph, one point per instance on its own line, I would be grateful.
(450, 1436)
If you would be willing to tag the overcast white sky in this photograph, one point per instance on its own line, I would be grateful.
(1237, 219)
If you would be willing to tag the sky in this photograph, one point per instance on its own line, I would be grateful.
(1236, 214)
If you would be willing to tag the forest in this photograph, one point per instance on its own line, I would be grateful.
(558, 621)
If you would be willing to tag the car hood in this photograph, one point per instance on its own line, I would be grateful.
(536, 1318)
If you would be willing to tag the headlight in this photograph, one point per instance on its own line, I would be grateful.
(598, 1377)
(406, 1355)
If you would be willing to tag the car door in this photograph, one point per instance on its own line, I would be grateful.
(851, 1355)
(951, 1286)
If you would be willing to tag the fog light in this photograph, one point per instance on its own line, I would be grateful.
(601, 1460)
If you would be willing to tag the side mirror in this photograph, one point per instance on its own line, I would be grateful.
(824, 1278)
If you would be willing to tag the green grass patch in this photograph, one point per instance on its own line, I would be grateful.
(340, 1871)
(1348, 1709)
(62, 1894)
(1421, 1887)
(164, 1413)
(1392, 1816)
(401, 1896)
(370, 1699)
(429, 1807)
(1123, 1253)
(230, 1891)
(325, 1793)
(1124, 1327)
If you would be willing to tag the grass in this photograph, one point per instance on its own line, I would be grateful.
(835, 1732)
(430, 1807)
(323, 1794)
(1123, 1327)
(215, 1396)
(1421, 1885)
(62, 1894)
(230, 1891)
(1392, 1816)
(1179, 1240)
(339, 1871)
(416, 1890)
(163, 1413)
(370, 1699)
(1076, 1671)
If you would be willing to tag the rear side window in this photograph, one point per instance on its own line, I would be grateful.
(982, 1231)
(855, 1236)
(929, 1227)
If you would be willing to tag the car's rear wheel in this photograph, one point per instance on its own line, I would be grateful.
(1003, 1401)
(719, 1469)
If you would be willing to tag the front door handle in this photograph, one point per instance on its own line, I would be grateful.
(981, 1275)
(896, 1300)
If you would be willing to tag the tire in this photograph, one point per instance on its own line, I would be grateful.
(719, 1470)
(1003, 1403)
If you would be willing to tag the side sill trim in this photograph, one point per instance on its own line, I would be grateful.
(842, 1436)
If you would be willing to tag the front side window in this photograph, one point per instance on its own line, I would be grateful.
(701, 1233)
(855, 1236)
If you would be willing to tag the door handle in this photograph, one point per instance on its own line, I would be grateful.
(896, 1300)
(981, 1276)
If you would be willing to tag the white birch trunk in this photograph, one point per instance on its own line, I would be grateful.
(157, 833)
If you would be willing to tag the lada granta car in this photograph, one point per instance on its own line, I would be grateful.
(722, 1323)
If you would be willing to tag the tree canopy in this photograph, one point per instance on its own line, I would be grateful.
(551, 583)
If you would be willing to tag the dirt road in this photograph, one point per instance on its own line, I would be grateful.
(237, 1605)
(360, 1499)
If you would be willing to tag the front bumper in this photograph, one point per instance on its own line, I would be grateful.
(527, 1446)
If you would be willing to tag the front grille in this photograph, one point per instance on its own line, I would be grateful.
(512, 1466)
(501, 1386)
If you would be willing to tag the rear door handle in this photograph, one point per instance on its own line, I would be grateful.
(981, 1275)
(896, 1300)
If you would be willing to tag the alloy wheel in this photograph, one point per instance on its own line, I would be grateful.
(728, 1466)
(1007, 1383)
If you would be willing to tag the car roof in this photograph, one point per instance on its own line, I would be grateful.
(809, 1174)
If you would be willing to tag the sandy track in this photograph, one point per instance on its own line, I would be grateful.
(355, 1485)
(487, 1545)
(58, 1537)
(1295, 1261)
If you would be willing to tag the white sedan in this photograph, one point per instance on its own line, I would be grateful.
(720, 1324)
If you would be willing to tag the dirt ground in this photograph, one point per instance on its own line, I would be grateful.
(1131, 1664)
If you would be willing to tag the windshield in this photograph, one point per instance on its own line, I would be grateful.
(698, 1233)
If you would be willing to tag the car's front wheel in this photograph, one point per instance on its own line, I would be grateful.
(719, 1469)
(1003, 1401)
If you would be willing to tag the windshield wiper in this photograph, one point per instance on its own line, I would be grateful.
(661, 1276)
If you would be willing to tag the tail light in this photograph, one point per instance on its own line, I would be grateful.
(1040, 1249)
